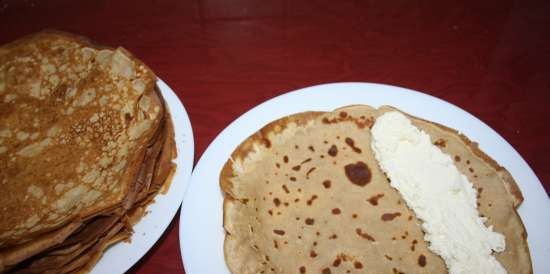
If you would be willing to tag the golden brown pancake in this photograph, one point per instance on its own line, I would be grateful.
(84, 137)
(305, 195)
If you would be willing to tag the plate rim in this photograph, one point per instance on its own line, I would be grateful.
(511, 153)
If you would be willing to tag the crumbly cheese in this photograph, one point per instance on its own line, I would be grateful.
(439, 194)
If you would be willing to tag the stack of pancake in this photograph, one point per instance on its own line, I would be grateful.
(86, 142)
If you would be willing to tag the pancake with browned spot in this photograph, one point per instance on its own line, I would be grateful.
(305, 195)
(85, 137)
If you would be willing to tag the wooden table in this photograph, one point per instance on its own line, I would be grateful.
(223, 57)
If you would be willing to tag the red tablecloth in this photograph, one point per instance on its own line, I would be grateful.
(224, 57)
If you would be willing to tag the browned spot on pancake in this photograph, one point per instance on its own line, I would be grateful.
(440, 143)
(410, 218)
(309, 172)
(277, 165)
(314, 243)
(293, 179)
(270, 212)
(267, 258)
(393, 238)
(360, 122)
(296, 200)
(422, 260)
(310, 201)
(326, 183)
(286, 203)
(357, 265)
(395, 271)
(351, 144)
(343, 114)
(285, 159)
(302, 269)
(279, 232)
(467, 162)
(390, 216)
(312, 254)
(311, 148)
(471, 170)
(127, 117)
(337, 262)
(374, 199)
(244, 201)
(388, 257)
(275, 244)
(310, 221)
(296, 147)
(267, 143)
(479, 190)
(358, 173)
(457, 158)
(336, 211)
(354, 216)
(285, 188)
(413, 245)
(364, 235)
(277, 202)
(333, 236)
(296, 168)
(333, 151)
(325, 270)
(305, 161)
(318, 233)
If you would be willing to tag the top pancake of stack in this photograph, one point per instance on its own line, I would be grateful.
(76, 120)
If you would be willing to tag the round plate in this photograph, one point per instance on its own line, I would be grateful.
(201, 231)
(121, 256)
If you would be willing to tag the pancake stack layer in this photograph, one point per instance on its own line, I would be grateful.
(86, 142)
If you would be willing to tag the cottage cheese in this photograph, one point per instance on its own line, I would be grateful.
(439, 194)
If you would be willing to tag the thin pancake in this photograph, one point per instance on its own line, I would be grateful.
(151, 176)
(305, 195)
(87, 135)
(75, 121)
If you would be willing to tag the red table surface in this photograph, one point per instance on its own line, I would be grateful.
(224, 57)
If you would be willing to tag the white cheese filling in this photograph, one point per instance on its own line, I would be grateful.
(439, 194)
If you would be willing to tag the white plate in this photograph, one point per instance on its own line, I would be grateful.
(148, 230)
(201, 231)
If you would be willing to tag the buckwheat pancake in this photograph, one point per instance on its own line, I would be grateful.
(306, 195)
(84, 137)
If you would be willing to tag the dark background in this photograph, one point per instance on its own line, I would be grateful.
(222, 57)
